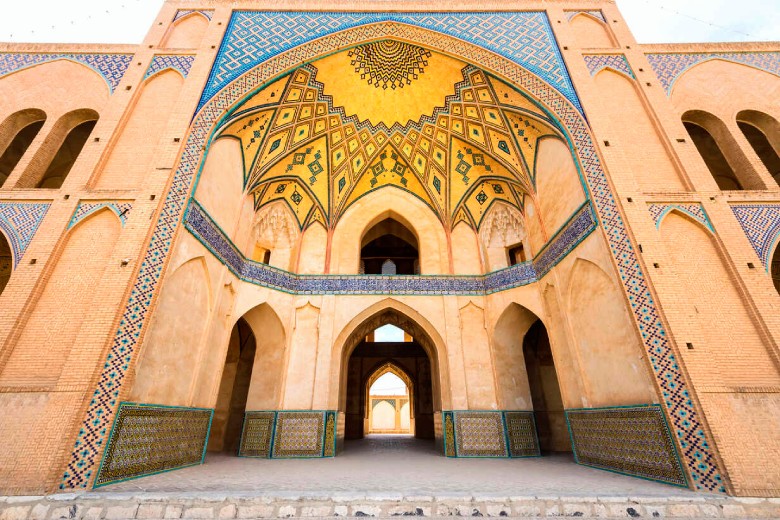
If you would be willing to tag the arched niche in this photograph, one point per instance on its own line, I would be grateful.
(169, 358)
(389, 245)
(273, 236)
(52, 331)
(53, 161)
(375, 207)
(465, 250)
(130, 159)
(720, 312)
(220, 187)
(17, 133)
(558, 186)
(527, 375)
(763, 133)
(501, 230)
(313, 251)
(630, 122)
(186, 33)
(609, 347)
(726, 161)
(589, 32)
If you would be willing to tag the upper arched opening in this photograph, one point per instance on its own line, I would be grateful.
(389, 247)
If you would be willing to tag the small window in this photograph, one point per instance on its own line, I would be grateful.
(516, 254)
(267, 257)
(388, 267)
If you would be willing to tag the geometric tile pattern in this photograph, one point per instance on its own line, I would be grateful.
(329, 443)
(448, 425)
(525, 38)
(19, 221)
(111, 66)
(85, 209)
(161, 62)
(480, 434)
(683, 413)
(631, 440)
(669, 67)
(299, 434)
(761, 223)
(389, 64)
(521, 434)
(257, 434)
(693, 210)
(202, 227)
(148, 439)
(595, 14)
(181, 13)
(616, 62)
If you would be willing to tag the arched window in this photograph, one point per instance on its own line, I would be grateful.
(763, 133)
(6, 262)
(58, 153)
(726, 161)
(389, 248)
(17, 134)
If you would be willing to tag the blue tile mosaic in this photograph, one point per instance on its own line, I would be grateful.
(693, 210)
(616, 62)
(178, 62)
(111, 66)
(19, 221)
(86, 209)
(202, 226)
(525, 38)
(761, 223)
(670, 66)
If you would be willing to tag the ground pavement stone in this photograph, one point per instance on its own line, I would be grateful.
(15, 513)
(228, 511)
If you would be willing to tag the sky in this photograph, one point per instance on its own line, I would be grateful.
(126, 21)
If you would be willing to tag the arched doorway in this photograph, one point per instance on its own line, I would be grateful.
(389, 396)
(413, 355)
(233, 390)
(389, 248)
(549, 413)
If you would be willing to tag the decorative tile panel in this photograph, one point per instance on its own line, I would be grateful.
(449, 434)
(19, 221)
(761, 223)
(480, 434)
(670, 66)
(616, 62)
(597, 14)
(632, 440)
(331, 432)
(521, 434)
(203, 227)
(299, 435)
(693, 210)
(148, 439)
(257, 434)
(85, 209)
(178, 62)
(525, 38)
(181, 13)
(111, 66)
(682, 411)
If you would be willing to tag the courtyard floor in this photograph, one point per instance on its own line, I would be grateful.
(397, 466)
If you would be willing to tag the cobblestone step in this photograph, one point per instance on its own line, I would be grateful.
(207, 506)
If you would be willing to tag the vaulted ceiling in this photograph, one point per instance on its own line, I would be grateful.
(385, 114)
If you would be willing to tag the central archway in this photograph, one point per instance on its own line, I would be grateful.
(420, 363)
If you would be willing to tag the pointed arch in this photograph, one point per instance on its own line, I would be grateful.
(413, 323)
(763, 133)
(186, 32)
(693, 212)
(66, 293)
(17, 133)
(53, 161)
(168, 363)
(6, 261)
(130, 158)
(591, 32)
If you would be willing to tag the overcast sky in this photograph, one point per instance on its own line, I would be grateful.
(126, 21)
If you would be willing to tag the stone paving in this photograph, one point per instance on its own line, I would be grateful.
(385, 477)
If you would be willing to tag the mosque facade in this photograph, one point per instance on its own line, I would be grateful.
(578, 235)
